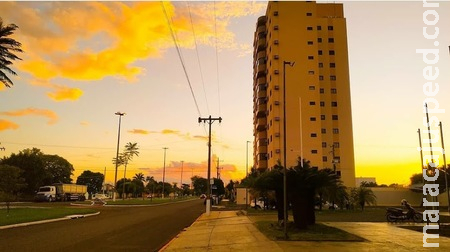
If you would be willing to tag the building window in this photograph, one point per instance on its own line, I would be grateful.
(330, 27)
(333, 77)
(336, 144)
(332, 65)
(333, 91)
(310, 57)
(309, 28)
(275, 13)
(320, 65)
(320, 77)
(324, 131)
(310, 43)
(319, 40)
(324, 159)
(314, 151)
(333, 104)
(335, 117)
(310, 72)
(312, 88)
(308, 14)
(322, 91)
(324, 144)
(320, 52)
(335, 131)
(312, 103)
(331, 52)
(330, 40)
(313, 135)
(322, 117)
(322, 104)
(312, 119)
(319, 28)
(275, 27)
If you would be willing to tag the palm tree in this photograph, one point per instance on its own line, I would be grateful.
(7, 47)
(139, 176)
(363, 195)
(131, 150)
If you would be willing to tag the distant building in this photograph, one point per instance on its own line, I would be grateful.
(359, 180)
(318, 107)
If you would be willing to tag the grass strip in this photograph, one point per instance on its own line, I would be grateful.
(23, 215)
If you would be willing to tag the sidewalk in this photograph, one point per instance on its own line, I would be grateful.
(228, 231)
(222, 231)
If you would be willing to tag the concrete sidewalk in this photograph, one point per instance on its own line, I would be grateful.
(222, 231)
(228, 231)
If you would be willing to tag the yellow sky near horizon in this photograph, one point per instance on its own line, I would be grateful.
(84, 61)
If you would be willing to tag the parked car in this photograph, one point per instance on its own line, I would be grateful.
(203, 196)
(100, 196)
(259, 203)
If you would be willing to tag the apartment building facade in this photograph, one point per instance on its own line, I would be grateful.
(306, 43)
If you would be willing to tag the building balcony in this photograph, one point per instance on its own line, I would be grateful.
(262, 94)
(262, 20)
(261, 81)
(261, 44)
(261, 55)
(262, 164)
(261, 134)
(262, 149)
(261, 110)
(261, 123)
(261, 70)
(261, 29)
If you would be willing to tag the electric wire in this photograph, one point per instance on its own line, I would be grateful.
(217, 58)
(181, 58)
(198, 56)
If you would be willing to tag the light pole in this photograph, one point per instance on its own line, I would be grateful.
(181, 183)
(120, 114)
(246, 175)
(164, 171)
(284, 149)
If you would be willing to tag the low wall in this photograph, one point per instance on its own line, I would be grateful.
(389, 196)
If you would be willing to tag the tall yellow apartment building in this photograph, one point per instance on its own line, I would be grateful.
(318, 108)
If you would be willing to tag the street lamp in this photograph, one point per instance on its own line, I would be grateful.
(284, 147)
(164, 171)
(120, 114)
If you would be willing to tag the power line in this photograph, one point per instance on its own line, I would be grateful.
(180, 57)
(198, 57)
(217, 57)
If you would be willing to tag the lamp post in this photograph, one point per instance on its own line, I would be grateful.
(120, 114)
(164, 171)
(246, 175)
(181, 183)
(284, 149)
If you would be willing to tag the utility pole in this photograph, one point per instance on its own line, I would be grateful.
(421, 156)
(181, 183)
(445, 168)
(164, 171)
(210, 121)
(218, 168)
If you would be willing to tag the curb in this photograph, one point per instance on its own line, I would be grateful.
(176, 236)
(69, 217)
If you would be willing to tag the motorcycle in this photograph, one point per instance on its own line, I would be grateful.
(397, 214)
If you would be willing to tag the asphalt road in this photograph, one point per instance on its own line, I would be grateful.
(146, 228)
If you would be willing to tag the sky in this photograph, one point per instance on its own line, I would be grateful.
(85, 61)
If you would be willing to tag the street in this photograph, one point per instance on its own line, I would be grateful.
(144, 228)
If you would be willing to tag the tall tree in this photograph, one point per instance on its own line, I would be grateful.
(363, 196)
(11, 183)
(58, 169)
(131, 150)
(7, 48)
(199, 185)
(139, 176)
(93, 180)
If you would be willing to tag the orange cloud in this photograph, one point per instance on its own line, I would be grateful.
(169, 131)
(93, 40)
(84, 123)
(139, 131)
(52, 116)
(5, 125)
(65, 93)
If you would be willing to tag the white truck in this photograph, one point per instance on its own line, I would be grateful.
(61, 192)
